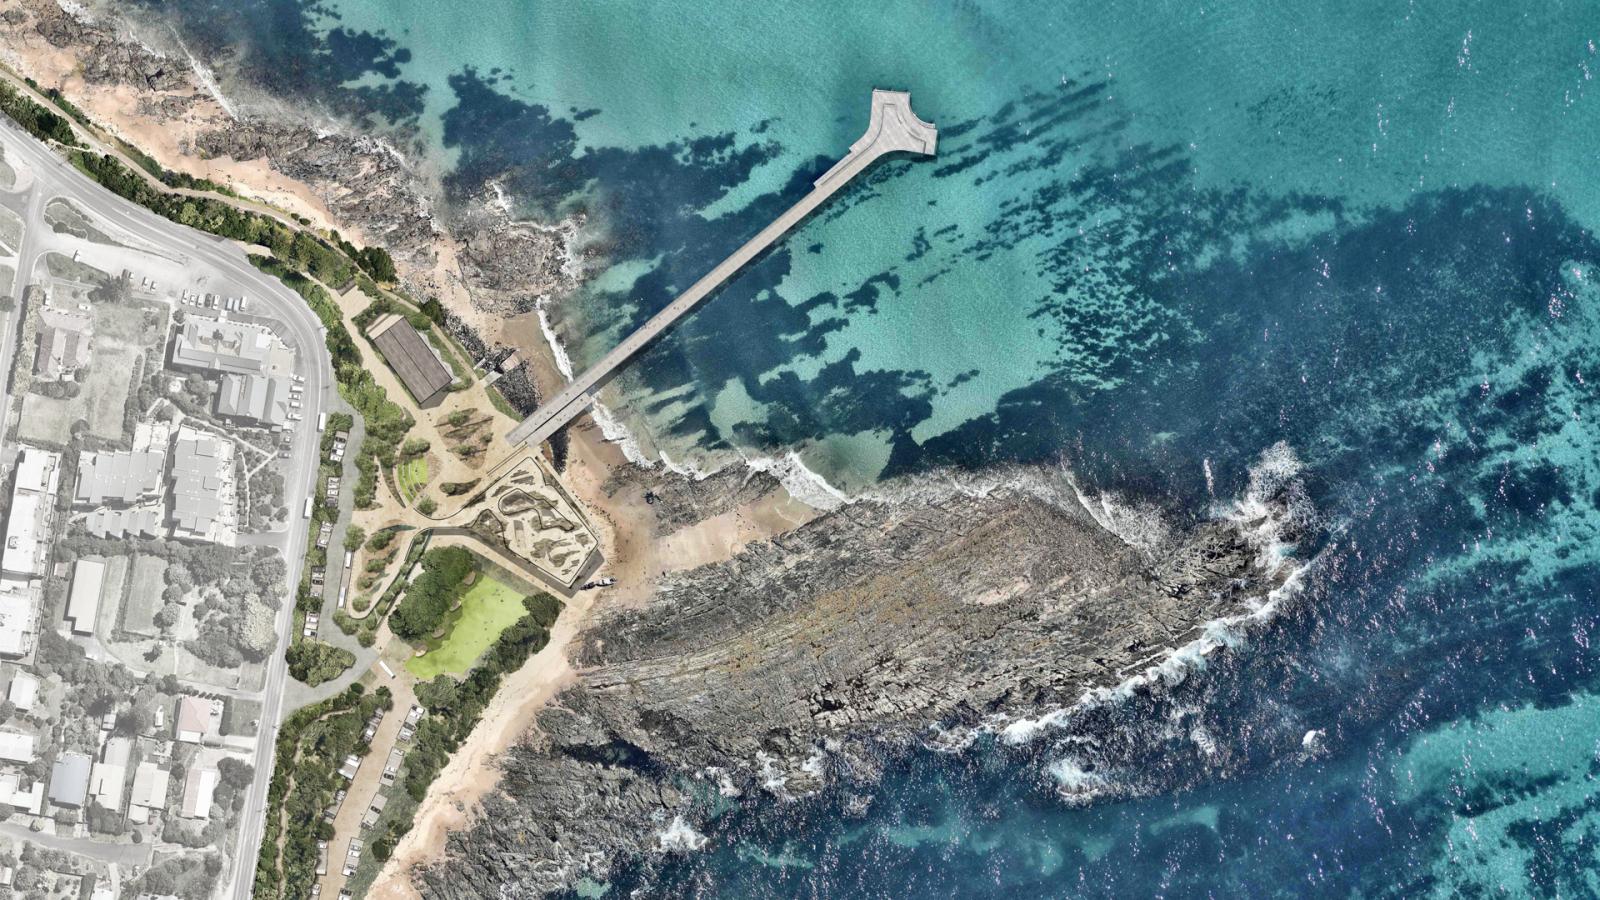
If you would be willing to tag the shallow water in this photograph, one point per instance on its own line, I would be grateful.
(1157, 242)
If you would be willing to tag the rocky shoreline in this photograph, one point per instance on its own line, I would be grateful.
(809, 659)
(476, 259)
(802, 661)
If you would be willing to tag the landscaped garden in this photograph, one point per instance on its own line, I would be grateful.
(456, 609)
(412, 474)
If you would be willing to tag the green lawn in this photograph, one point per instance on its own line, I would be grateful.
(487, 608)
(412, 476)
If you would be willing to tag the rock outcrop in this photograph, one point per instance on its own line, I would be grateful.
(472, 247)
(810, 657)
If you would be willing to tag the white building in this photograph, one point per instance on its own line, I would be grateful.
(83, 604)
(19, 613)
(202, 488)
(24, 691)
(110, 774)
(197, 719)
(198, 790)
(16, 747)
(27, 519)
(19, 792)
(150, 783)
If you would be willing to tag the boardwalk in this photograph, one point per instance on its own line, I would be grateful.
(893, 128)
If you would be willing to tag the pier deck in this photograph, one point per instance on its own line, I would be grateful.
(892, 128)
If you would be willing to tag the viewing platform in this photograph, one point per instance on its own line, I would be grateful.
(892, 128)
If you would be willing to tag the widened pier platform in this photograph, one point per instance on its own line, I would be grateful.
(893, 128)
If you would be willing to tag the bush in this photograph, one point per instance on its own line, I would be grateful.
(354, 536)
(427, 505)
(381, 540)
(315, 662)
(457, 488)
(429, 596)
(34, 118)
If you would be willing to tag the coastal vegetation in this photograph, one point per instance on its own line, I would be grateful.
(430, 595)
(312, 744)
(488, 607)
(454, 706)
(35, 118)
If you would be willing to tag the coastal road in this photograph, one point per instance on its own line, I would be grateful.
(31, 211)
(54, 176)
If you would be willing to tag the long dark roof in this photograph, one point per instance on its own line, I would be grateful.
(413, 360)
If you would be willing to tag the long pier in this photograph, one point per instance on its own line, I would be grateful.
(893, 128)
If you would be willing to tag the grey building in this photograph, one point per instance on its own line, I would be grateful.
(63, 343)
(143, 521)
(69, 780)
(221, 346)
(262, 399)
(196, 485)
(412, 358)
(121, 477)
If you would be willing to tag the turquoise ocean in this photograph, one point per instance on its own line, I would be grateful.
(1169, 248)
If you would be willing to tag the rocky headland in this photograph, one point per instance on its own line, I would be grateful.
(812, 657)
(771, 649)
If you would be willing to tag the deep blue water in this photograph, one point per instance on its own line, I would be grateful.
(1158, 241)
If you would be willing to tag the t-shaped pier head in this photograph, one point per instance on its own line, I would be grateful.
(892, 128)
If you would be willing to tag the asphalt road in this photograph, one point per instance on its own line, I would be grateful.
(54, 177)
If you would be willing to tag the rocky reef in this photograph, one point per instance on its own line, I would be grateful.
(811, 657)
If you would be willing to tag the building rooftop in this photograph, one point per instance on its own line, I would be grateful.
(63, 342)
(118, 477)
(24, 691)
(38, 470)
(16, 746)
(223, 346)
(21, 792)
(150, 783)
(196, 484)
(25, 549)
(257, 398)
(69, 780)
(37, 476)
(412, 358)
(18, 615)
(83, 604)
(198, 790)
(144, 521)
(193, 721)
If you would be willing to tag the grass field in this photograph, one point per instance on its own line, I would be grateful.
(412, 476)
(144, 595)
(487, 608)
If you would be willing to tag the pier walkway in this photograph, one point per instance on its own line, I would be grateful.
(893, 128)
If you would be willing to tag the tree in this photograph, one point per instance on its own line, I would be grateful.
(437, 694)
(426, 506)
(133, 721)
(354, 536)
(427, 599)
(257, 632)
